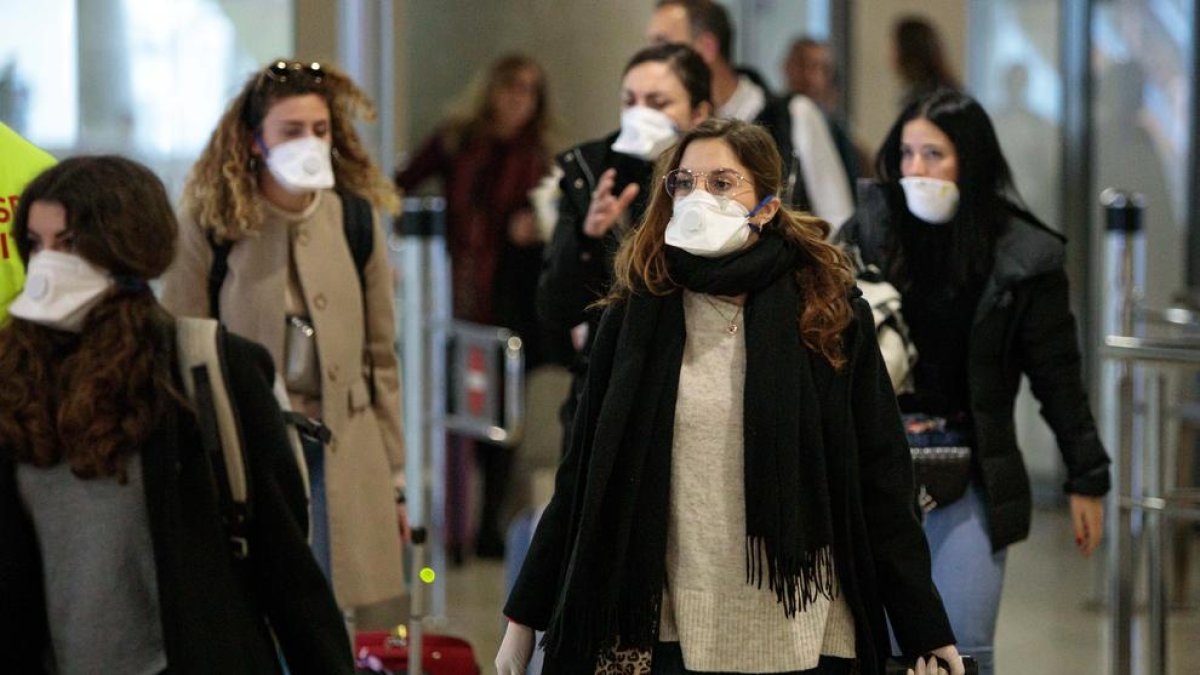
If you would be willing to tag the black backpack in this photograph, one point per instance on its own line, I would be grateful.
(776, 118)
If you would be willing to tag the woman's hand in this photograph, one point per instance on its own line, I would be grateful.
(1087, 515)
(605, 208)
(515, 650)
(949, 654)
(402, 520)
(522, 229)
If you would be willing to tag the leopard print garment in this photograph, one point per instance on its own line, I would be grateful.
(618, 661)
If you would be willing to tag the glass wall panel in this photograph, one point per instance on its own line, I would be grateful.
(1141, 61)
(144, 78)
(1014, 72)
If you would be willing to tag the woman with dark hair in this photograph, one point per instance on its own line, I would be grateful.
(920, 59)
(116, 556)
(279, 240)
(488, 156)
(985, 299)
(605, 188)
(737, 492)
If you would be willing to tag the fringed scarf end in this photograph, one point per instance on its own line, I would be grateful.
(797, 582)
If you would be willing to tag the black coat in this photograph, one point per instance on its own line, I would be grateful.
(577, 269)
(880, 551)
(214, 611)
(1022, 325)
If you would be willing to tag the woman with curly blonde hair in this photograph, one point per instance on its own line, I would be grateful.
(737, 496)
(116, 555)
(279, 240)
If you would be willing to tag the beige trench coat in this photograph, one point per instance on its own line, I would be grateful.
(368, 448)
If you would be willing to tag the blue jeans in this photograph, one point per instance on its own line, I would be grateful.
(668, 660)
(314, 458)
(967, 574)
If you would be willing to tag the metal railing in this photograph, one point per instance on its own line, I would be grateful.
(1147, 500)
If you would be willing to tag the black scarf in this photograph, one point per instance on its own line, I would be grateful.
(624, 428)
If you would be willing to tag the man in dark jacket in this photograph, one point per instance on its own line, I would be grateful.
(816, 177)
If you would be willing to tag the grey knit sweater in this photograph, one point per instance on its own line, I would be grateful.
(722, 623)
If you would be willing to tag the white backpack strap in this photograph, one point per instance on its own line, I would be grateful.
(293, 435)
(203, 374)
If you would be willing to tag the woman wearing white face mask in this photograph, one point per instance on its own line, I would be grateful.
(985, 299)
(734, 498)
(606, 187)
(280, 241)
(116, 555)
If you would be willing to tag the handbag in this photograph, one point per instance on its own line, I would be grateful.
(895, 344)
(941, 458)
(301, 367)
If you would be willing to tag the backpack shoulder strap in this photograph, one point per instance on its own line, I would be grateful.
(776, 117)
(202, 367)
(359, 225)
(217, 272)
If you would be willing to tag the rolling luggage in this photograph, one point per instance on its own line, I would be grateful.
(386, 652)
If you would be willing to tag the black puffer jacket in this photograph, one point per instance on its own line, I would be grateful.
(1022, 325)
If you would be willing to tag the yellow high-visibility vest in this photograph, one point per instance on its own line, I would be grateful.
(20, 162)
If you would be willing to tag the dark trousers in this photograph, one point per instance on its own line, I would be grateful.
(495, 464)
(668, 660)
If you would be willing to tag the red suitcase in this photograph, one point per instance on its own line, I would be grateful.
(387, 652)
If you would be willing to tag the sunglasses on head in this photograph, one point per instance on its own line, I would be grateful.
(284, 71)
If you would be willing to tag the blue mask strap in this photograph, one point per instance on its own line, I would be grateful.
(757, 229)
(261, 145)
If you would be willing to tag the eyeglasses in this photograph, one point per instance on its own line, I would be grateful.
(284, 71)
(719, 183)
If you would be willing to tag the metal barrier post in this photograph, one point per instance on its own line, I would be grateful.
(1153, 522)
(421, 230)
(439, 318)
(1123, 215)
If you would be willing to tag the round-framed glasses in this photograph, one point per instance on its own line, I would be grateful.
(719, 182)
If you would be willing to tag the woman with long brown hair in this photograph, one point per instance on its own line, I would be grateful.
(737, 495)
(115, 555)
(279, 240)
(487, 156)
(919, 59)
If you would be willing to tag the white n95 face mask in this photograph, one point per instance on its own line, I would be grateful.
(933, 200)
(709, 226)
(302, 165)
(645, 133)
(60, 290)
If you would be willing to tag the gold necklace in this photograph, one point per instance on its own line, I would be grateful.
(732, 327)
